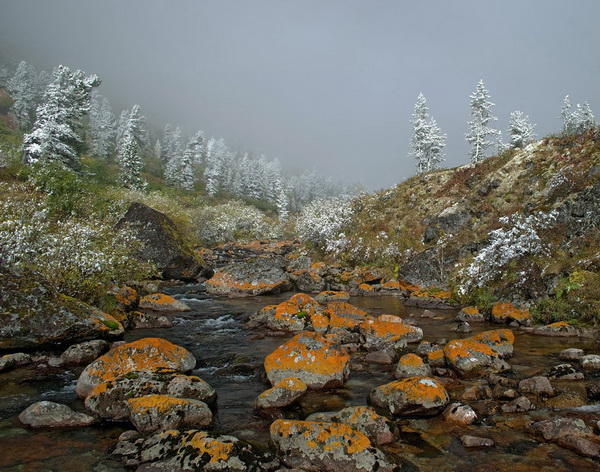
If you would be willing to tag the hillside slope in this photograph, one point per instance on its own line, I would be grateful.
(521, 226)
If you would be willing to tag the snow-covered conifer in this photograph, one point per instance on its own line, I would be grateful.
(102, 126)
(577, 121)
(585, 117)
(283, 205)
(55, 131)
(23, 89)
(215, 172)
(427, 141)
(134, 123)
(480, 134)
(520, 130)
(4, 75)
(130, 161)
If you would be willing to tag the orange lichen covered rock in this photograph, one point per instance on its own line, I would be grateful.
(308, 280)
(470, 314)
(414, 396)
(332, 296)
(326, 446)
(292, 315)
(343, 315)
(389, 329)
(505, 312)
(152, 413)
(127, 297)
(174, 450)
(376, 427)
(108, 400)
(558, 329)
(399, 285)
(500, 340)
(317, 361)
(319, 322)
(436, 358)
(285, 392)
(411, 365)
(366, 290)
(162, 302)
(147, 354)
(225, 283)
(471, 358)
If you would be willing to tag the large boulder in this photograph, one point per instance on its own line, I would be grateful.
(319, 362)
(415, 396)
(31, 316)
(147, 354)
(331, 447)
(472, 358)
(163, 243)
(389, 331)
(258, 276)
(84, 353)
(108, 400)
(46, 414)
(293, 314)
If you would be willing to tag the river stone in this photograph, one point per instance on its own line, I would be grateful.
(565, 372)
(84, 353)
(590, 362)
(538, 385)
(471, 358)
(31, 316)
(317, 361)
(470, 314)
(500, 340)
(571, 354)
(258, 276)
(558, 329)
(571, 433)
(152, 413)
(184, 451)
(147, 354)
(285, 392)
(141, 320)
(518, 405)
(376, 427)
(163, 243)
(10, 361)
(46, 414)
(389, 330)
(293, 314)
(411, 365)
(162, 302)
(415, 396)
(108, 400)
(327, 447)
(506, 312)
(476, 441)
(460, 414)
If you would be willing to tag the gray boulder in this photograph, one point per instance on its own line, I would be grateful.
(53, 415)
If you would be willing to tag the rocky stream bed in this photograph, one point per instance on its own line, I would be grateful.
(506, 420)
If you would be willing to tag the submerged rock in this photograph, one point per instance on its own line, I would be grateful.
(415, 396)
(314, 359)
(327, 447)
(147, 354)
(476, 441)
(46, 414)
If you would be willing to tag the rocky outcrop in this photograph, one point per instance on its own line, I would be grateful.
(163, 243)
(46, 414)
(327, 447)
(32, 316)
(317, 361)
(415, 396)
(147, 354)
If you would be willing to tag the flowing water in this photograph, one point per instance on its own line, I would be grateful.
(230, 359)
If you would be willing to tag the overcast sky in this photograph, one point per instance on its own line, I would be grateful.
(329, 84)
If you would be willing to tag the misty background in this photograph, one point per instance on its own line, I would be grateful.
(324, 84)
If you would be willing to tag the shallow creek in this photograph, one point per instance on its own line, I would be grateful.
(229, 356)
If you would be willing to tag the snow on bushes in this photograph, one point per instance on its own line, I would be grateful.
(321, 223)
(232, 221)
(77, 258)
(518, 237)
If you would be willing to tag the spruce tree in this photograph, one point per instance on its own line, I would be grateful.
(520, 130)
(427, 141)
(102, 126)
(480, 134)
(23, 89)
(55, 132)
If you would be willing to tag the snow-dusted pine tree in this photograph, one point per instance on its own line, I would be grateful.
(134, 123)
(130, 161)
(480, 134)
(577, 121)
(4, 75)
(179, 169)
(283, 204)
(585, 117)
(427, 141)
(520, 130)
(102, 126)
(215, 172)
(55, 131)
(23, 89)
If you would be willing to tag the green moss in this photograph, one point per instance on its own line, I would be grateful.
(110, 324)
